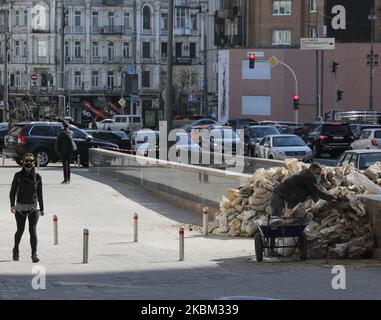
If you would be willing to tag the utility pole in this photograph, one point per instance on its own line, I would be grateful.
(168, 111)
(318, 96)
(61, 87)
(371, 60)
(6, 57)
(205, 10)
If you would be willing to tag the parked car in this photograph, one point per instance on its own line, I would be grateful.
(283, 125)
(223, 139)
(369, 139)
(360, 159)
(254, 134)
(309, 129)
(105, 124)
(145, 141)
(4, 128)
(40, 137)
(202, 122)
(280, 147)
(295, 130)
(121, 138)
(357, 128)
(332, 138)
(241, 123)
(184, 142)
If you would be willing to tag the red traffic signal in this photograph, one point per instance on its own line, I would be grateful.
(296, 101)
(251, 60)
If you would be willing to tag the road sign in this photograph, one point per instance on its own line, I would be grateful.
(317, 43)
(34, 77)
(257, 54)
(273, 61)
(122, 102)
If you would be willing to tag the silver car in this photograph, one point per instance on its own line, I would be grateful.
(280, 147)
(369, 139)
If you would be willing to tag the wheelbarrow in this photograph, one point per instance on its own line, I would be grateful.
(265, 238)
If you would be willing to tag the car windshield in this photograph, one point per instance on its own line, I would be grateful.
(223, 133)
(336, 129)
(288, 142)
(262, 132)
(369, 159)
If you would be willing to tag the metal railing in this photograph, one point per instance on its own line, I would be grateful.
(370, 117)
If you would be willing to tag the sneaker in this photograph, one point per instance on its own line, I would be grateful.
(64, 182)
(16, 256)
(35, 258)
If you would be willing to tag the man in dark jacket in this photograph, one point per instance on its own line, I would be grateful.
(65, 147)
(297, 189)
(26, 203)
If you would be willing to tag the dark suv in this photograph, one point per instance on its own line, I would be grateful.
(332, 138)
(39, 138)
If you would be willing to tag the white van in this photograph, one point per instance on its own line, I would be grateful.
(127, 123)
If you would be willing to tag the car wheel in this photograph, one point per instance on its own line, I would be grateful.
(43, 157)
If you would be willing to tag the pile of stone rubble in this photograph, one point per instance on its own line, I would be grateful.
(374, 173)
(335, 230)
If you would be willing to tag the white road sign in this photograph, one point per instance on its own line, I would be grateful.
(317, 43)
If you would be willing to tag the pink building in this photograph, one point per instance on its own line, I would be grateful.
(266, 93)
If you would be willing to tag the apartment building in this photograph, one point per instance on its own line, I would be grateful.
(113, 49)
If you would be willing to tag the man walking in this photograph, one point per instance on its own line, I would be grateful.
(65, 147)
(297, 189)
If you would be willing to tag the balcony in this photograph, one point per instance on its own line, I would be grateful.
(112, 60)
(74, 30)
(18, 60)
(148, 60)
(147, 32)
(96, 60)
(222, 40)
(37, 30)
(19, 29)
(108, 30)
(75, 60)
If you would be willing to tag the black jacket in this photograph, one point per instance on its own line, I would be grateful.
(299, 188)
(65, 144)
(27, 188)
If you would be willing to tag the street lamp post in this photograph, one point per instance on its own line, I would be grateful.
(372, 18)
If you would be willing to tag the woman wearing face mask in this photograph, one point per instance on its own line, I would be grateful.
(26, 203)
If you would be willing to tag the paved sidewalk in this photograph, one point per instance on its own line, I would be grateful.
(214, 267)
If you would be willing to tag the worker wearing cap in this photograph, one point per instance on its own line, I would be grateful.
(298, 189)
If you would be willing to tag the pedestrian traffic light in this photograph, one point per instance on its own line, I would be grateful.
(296, 101)
(339, 95)
(251, 60)
(334, 67)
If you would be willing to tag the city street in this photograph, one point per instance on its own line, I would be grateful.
(214, 267)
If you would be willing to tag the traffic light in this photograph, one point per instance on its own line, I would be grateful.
(251, 60)
(334, 67)
(339, 95)
(296, 101)
(67, 110)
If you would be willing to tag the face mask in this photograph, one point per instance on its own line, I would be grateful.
(317, 178)
(28, 166)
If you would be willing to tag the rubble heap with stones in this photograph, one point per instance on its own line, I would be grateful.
(334, 230)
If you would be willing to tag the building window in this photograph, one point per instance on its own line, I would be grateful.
(181, 14)
(25, 17)
(17, 18)
(281, 37)
(281, 8)
(77, 79)
(66, 49)
(194, 21)
(126, 49)
(18, 79)
(111, 51)
(164, 21)
(313, 6)
(25, 49)
(77, 49)
(146, 18)
(312, 32)
(95, 79)
(111, 20)
(126, 18)
(95, 19)
(77, 18)
(110, 80)
(146, 50)
(146, 79)
(179, 49)
(192, 50)
(41, 49)
(95, 49)
(164, 48)
(17, 48)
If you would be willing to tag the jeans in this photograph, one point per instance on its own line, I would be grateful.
(276, 204)
(66, 161)
(20, 221)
